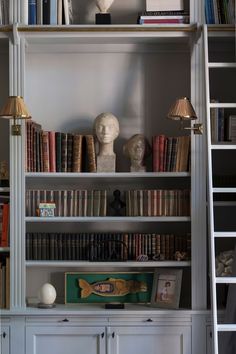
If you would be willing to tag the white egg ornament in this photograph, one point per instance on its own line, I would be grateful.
(47, 296)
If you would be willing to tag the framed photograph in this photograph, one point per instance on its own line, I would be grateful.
(166, 288)
(107, 287)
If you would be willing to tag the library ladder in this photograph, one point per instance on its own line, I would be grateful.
(214, 233)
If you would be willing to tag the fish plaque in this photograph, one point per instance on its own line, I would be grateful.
(105, 287)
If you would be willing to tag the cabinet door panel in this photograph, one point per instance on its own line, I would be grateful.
(151, 340)
(4, 340)
(62, 340)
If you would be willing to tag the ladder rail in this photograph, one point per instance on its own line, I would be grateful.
(210, 195)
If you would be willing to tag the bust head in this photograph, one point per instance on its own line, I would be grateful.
(136, 149)
(106, 127)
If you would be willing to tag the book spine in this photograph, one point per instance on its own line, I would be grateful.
(155, 153)
(59, 12)
(39, 12)
(5, 226)
(157, 21)
(46, 12)
(53, 12)
(63, 152)
(91, 156)
(77, 153)
(45, 141)
(52, 151)
(32, 12)
(58, 151)
(69, 152)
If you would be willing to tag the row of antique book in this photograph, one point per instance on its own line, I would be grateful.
(4, 281)
(50, 151)
(68, 202)
(171, 154)
(107, 246)
(157, 202)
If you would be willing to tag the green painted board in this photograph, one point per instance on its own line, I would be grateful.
(73, 290)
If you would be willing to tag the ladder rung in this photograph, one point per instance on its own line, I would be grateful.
(225, 234)
(228, 327)
(223, 146)
(222, 65)
(225, 280)
(222, 105)
(224, 190)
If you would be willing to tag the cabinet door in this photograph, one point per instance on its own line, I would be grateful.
(62, 340)
(4, 340)
(151, 340)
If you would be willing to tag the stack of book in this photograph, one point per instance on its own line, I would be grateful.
(158, 202)
(164, 12)
(68, 202)
(170, 154)
(220, 11)
(106, 246)
(50, 12)
(4, 12)
(218, 123)
(50, 151)
(163, 17)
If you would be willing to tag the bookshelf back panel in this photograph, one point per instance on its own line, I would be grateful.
(73, 88)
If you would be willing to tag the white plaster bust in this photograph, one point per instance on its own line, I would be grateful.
(137, 149)
(107, 129)
(104, 5)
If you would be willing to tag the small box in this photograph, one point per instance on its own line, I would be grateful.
(46, 209)
(164, 5)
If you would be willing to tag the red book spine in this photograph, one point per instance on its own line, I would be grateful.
(5, 225)
(155, 153)
(46, 164)
(52, 151)
(162, 139)
(165, 21)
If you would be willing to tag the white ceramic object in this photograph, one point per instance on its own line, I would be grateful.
(104, 5)
(47, 294)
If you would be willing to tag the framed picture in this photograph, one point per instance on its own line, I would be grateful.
(166, 288)
(107, 287)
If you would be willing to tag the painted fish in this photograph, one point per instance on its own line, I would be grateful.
(111, 287)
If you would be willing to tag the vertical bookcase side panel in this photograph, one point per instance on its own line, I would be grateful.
(17, 154)
(198, 168)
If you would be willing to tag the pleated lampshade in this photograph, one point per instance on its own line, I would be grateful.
(182, 109)
(15, 108)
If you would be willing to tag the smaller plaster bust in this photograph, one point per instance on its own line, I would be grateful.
(107, 129)
(137, 149)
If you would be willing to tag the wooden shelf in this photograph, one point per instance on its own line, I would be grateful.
(126, 264)
(119, 219)
(119, 175)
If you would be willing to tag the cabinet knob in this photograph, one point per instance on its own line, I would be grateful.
(102, 334)
(210, 334)
(149, 320)
(3, 334)
(113, 334)
(64, 320)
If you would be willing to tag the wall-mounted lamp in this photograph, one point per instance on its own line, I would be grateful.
(183, 110)
(15, 108)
